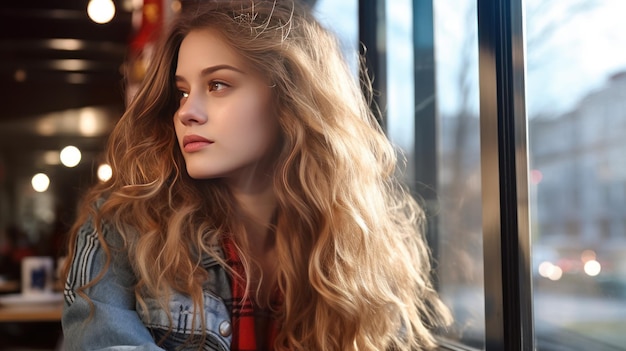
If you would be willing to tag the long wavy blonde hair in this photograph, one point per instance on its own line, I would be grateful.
(353, 265)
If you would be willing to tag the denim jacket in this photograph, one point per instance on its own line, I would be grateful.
(117, 322)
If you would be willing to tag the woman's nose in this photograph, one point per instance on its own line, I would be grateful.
(192, 110)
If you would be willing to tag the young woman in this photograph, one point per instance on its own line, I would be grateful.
(253, 203)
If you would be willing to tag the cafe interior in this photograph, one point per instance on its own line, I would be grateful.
(67, 69)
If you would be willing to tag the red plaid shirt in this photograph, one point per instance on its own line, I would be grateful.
(242, 309)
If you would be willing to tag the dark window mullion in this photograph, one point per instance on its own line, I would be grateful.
(508, 291)
(425, 140)
(372, 37)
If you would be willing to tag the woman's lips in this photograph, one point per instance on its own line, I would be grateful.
(192, 143)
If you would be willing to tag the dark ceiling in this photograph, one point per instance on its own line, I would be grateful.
(42, 71)
(61, 84)
(54, 63)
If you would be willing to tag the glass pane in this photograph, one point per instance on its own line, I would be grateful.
(459, 180)
(342, 18)
(446, 112)
(400, 116)
(576, 105)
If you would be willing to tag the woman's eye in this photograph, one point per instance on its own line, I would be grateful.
(217, 86)
(183, 94)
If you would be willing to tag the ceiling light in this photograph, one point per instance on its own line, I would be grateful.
(70, 156)
(101, 11)
(40, 182)
(104, 172)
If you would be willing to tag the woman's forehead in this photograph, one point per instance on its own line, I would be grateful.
(206, 47)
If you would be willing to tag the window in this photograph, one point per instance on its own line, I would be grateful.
(576, 82)
(434, 119)
(519, 164)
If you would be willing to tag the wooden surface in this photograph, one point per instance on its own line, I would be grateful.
(27, 312)
(48, 312)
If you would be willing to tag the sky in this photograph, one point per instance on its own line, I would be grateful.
(578, 57)
(569, 52)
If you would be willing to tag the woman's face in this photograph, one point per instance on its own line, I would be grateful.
(224, 123)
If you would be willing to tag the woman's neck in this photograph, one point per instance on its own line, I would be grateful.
(258, 207)
(257, 203)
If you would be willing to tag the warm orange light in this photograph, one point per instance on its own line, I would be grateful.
(588, 255)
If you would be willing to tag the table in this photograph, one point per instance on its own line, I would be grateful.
(20, 322)
(9, 286)
(32, 313)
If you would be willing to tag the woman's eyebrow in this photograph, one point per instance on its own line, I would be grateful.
(212, 69)
(216, 68)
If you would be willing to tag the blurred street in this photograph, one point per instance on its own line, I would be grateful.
(597, 318)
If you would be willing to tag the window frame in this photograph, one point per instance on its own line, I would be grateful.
(509, 322)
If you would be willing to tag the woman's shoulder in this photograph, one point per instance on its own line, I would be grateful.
(95, 225)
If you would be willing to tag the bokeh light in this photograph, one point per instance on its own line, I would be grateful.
(40, 182)
(70, 156)
(101, 11)
(592, 268)
(104, 172)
